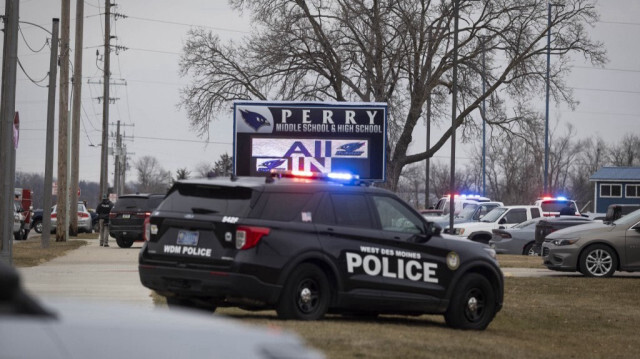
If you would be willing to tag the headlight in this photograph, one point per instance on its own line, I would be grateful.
(458, 231)
(491, 252)
(564, 242)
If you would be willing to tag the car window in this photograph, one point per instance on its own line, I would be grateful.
(516, 215)
(468, 211)
(284, 206)
(494, 214)
(484, 209)
(201, 199)
(396, 217)
(535, 213)
(351, 210)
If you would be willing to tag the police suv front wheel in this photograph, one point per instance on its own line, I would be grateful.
(473, 304)
(306, 294)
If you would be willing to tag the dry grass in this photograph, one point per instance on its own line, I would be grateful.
(519, 261)
(565, 317)
(30, 253)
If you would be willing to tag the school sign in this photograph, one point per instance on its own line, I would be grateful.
(310, 136)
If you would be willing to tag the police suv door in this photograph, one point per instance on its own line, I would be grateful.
(384, 265)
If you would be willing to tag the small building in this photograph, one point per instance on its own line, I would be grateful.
(615, 185)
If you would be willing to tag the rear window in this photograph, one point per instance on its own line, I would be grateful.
(284, 206)
(210, 199)
(137, 203)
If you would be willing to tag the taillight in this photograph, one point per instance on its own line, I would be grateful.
(113, 215)
(147, 229)
(248, 237)
(54, 215)
(83, 215)
(143, 214)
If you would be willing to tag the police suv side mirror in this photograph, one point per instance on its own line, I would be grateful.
(502, 221)
(431, 230)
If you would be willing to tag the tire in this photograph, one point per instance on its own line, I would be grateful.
(124, 243)
(529, 251)
(306, 294)
(598, 260)
(18, 235)
(25, 234)
(188, 303)
(473, 304)
(38, 226)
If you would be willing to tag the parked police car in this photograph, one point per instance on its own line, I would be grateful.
(307, 246)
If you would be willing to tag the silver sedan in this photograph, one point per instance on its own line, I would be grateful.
(518, 239)
(84, 219)
(595, 249)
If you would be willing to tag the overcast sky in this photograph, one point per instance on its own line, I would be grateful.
(154, 33)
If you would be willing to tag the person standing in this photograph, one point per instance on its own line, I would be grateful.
(104, 208)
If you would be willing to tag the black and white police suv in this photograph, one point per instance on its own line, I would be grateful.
(306, 246)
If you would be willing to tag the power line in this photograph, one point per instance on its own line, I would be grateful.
(37, 83)
(605, 69)
(46, 42)
(604, 90)
(184, 140)
(187, 24)
(620, 23)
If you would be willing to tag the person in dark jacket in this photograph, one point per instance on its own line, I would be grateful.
(103, 210)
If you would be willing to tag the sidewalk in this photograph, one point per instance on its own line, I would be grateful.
(90, 272)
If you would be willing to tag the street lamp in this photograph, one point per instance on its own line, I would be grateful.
(546, 117)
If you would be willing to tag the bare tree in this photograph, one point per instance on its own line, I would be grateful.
(203, 169)
(394, 51)
(627, 152)
(152, 178)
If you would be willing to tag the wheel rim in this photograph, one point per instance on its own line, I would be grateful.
(39, 227)
(599, 262)
(474, 303)
(308, 296)
(532, 252)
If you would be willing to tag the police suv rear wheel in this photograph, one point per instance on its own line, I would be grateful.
(306, 294)
(473, 304)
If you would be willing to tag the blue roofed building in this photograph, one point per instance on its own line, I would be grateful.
(615, 185)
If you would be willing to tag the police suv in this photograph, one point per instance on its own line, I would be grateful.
(306, 246)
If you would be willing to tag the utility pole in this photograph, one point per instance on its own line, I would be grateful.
(62, 209)
(117, 152)
(120, 155)
(104, 160)
(51, 107)
(7, 113)
(77, 98)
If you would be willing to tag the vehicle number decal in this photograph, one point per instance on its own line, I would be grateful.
(229, 219)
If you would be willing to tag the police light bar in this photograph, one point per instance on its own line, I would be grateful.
(336, 176)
